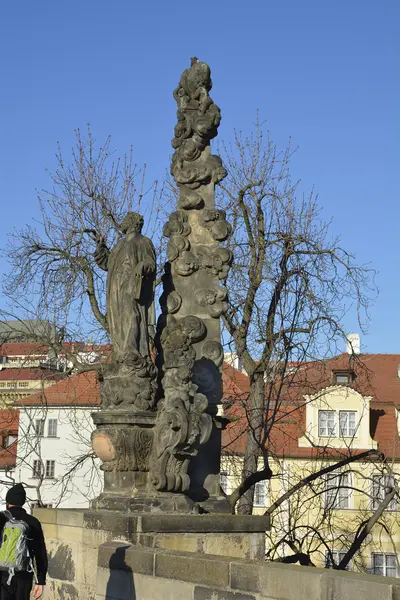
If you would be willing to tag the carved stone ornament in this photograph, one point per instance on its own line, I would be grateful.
(182, 424)
(213, 300)
(131, 384)
(213, 350)
(198, 121)
(215, 221)
(123, 449)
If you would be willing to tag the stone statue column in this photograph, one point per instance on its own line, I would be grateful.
(124, 434)
(194, 295)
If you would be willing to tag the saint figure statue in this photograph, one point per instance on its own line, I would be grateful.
(131, 267)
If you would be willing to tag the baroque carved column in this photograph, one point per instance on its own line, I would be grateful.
(193, 299)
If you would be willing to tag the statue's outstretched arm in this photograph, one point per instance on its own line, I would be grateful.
(101, 254)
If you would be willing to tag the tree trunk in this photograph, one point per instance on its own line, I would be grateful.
(255, 417)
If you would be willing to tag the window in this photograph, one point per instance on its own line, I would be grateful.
(337, 557)
(50, 469)
(37, 469)
(380, 483)
(342, 378)
(259, 494)
(338, 491)
(5, 441)
(11, 384)
(384, 564)
(223, 477)
(23, 384)
(39, 427)
(52, 428)
(326, 423)
(347, 423)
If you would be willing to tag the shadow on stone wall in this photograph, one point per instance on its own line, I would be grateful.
(121, 583)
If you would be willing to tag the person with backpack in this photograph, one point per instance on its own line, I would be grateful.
(23, 556)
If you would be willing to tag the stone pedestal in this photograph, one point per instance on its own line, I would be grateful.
(124, 441)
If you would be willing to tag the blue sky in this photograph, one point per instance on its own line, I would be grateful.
(324, 73)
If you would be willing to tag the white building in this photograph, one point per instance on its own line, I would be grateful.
(54, 457)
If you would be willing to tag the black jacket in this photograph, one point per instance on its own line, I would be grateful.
(36, 544)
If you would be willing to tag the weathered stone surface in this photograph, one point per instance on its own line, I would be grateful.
(115, 585)
(204, 523)
(72, 518)
(119, 524)
(275, 582)
(64, 591)
(195, 568)
(188, 341)
(245, 576)
(61, 563)
(124, 557)
(179, 542)
(46, 515)
(338, 585)
(202, 593)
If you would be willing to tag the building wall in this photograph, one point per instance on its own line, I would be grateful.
(308, 512)
(7, 478)
(14, 390)
(77, 479)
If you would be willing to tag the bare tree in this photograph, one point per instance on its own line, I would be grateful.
(289, 288)
(52, 273)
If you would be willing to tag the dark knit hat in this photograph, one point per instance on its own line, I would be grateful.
(16, 495)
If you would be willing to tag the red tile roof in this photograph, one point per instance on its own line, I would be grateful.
(77, 390)
(23, 349)
(8, 456)
(376, 376)
(29, 375)
(9, 420)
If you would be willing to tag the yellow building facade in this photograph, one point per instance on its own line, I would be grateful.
(322, 519)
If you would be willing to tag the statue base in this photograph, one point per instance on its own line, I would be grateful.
(157, 503)
(123, 439)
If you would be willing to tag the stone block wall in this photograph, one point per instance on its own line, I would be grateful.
(127, 573)
(74, 537)
(96, 556)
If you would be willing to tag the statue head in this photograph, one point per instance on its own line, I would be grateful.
(132, 222)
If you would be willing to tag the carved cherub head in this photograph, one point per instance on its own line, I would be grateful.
(133, 221)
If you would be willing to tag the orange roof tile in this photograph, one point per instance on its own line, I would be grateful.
(376, 376)
(29, 375)
(77, 390)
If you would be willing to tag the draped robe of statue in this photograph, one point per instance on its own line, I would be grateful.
(131, 267)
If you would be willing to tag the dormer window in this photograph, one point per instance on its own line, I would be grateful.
(342, 377)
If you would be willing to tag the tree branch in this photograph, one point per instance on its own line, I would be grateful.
(356, 545)
(318, 474)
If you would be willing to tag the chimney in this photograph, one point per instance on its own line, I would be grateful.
(233, 360)
(353, 344)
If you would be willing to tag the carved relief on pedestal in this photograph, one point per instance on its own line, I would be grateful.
(123, 449)
(182, 424)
